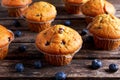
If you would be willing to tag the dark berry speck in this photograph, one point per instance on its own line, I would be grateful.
(37, 64)
(113, 67)
(18, 33)
(60, 76)
(67, 23)
(16, 23)
(96, 64)
(22, 48)
(19, 67)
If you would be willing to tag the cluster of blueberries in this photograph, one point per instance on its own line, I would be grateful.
(95, 64)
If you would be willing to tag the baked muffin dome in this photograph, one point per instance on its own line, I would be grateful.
(40, 11)
(76, 1)
(14, 3)
(59, 40)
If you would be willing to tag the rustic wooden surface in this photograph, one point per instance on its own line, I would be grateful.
(79, 67)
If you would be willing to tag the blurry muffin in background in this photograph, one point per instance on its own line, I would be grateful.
(40, 15)
(15, 7)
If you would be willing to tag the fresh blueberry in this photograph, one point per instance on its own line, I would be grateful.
(89, 39)
(60, 76)
(18, 33)
(113, 67)
(67, 23)
(16, 23)
(96, 64)
(22, 48)
(19, 67)
(37, 64)
(84, 32)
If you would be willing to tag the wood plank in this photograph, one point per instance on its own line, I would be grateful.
(77, 70)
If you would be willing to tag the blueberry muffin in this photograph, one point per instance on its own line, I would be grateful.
(40, 15)
(74, 6)
(93, 8)
(6, 36)
(59, 44)
(106, 31)
(15, 7)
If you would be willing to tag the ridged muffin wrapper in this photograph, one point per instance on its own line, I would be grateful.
(39, 26)
(106, 44)
(59, 60)
(4, 50)
(15, 11)
(73, 8)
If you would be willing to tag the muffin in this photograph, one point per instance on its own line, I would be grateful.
(59, 44)
(40, 16)
(106, 31)
(15, 7)
(6, 36)
(74, 6)
(93, 8)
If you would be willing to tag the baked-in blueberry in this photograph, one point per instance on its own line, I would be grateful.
(19, 67)
(22, 48)
(113, 67)
(96, 64)
(16, 23)
(18, 33)
(67, 23)
(37, 64)
(60, 76)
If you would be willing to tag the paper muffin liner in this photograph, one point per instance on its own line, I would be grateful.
(39, 26)
(106, 44)
(15, 11)
(59, 60)
(4, 50)
(73, 8)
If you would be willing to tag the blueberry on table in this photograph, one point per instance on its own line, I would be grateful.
(113, 67)
(22, 48)
(67, 23)
(96, 64)
(18, 33)
(37, 64)
(19, 67)
(60, 76)
(84, 32)
(16, 23)
(89, 39)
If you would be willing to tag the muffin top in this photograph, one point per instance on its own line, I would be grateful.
(5, 36)
(59, 40)
(16, 3)
(105, 26)
(95, 7)
(40, 12)
(76, 1)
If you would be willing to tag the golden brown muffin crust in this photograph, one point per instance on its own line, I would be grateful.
(95, 7)
(40, 11)
(105, 26)
(5, 36)
(59, 40)
(16, 3)
(76, 1)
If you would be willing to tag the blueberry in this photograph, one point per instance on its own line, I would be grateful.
(84, 32)
(89, 39)
(19, 67)
(60, 76)
(37, 64)
(67, 23)
(16, 23)
(18, 33)
(113, 67)
(22, 48)
(96, 64)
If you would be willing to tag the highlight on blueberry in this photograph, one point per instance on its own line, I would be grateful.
(19, 67)
(96, 64)
(84, 32)
(37, 64)
(18, 33)
(67, 23)
(113, 67)
(60, 76)
(22, 48)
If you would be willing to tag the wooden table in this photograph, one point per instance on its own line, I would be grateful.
(79, 67)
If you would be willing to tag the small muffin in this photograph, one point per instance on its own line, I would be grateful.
(93, 8)
(106, 31)
(40, 15)
(74, 6)
(59, 44)
(15, 7)
(6, 36)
